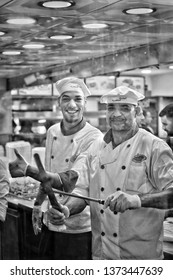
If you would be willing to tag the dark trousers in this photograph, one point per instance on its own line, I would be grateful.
(64, 246)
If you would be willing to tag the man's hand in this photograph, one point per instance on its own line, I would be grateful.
(120, 202)
(18, 167)
(56, 217)
(37, 219)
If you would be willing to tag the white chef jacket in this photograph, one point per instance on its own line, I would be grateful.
(61, 153)
(142, 164)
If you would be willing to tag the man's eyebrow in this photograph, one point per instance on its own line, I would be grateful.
(129, 105)
(67, 94)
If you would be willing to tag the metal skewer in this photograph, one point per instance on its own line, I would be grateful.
(100, 201)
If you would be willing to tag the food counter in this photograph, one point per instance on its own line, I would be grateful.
(18, 239)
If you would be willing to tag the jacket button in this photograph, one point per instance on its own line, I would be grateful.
(102, 189)
(66, 159)
(128, 146)
(55, 138)
(101, 211)
(115, 213)
(118, 189)
(102, 166)
(52, 156)
(115, 234)
(123, 167)
(71, 140)
(102, 233)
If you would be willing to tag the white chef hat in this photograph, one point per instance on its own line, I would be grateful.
(71, 84)
(122, 94)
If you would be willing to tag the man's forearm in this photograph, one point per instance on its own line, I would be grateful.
(161, 200)
(75, 205)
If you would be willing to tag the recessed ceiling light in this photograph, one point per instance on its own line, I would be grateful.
(139, 11)
(95, 25)
(171, 67)
(56, 4)
(11, 52)
(33, 46)
(23, 21)
(61, 37)
(146, 71)
(82, 51)
(2, 33)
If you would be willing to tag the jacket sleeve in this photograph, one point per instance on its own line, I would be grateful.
(161, 166)
(4, 190)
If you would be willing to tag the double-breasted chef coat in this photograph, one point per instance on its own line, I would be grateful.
(61, 153)
(143, 164)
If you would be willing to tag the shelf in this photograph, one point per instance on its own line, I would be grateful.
(28, 134)
(29, 110)
(36, 115)
(49, 115)
(18, 97)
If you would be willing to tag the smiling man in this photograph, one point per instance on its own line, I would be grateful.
(132, 171)
(65, 142)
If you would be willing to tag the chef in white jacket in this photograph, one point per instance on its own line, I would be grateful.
(132, 171)
(64, 143)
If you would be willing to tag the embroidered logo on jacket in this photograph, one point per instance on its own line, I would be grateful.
(139, 158)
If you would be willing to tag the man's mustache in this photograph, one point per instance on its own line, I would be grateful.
(116, 119)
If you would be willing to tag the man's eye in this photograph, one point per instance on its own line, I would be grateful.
(110, 108)
(65, 99)
(125, 108)
(78, 99)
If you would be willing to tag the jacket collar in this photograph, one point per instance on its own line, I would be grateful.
(108, 136)
(74, 129)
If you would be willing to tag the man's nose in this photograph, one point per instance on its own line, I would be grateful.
(72, 103)
(116, 113)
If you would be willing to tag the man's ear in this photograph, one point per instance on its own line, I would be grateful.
(138, 110)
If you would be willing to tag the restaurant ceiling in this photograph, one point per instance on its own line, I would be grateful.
(129, 41)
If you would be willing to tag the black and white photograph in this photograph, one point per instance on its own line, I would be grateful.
(86, 139)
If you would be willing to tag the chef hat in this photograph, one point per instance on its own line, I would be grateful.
(122, 94)
(72, 84)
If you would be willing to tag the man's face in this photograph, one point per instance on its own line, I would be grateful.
(167, 125)
(121, 117)
(72, 104)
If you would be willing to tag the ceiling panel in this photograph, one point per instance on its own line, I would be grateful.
(128, 42)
